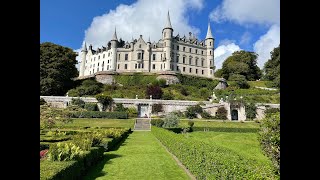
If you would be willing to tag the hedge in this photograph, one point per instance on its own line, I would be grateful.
(91, 107)
(208, 161)
(99, 114)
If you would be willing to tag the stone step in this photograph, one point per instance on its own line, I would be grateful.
(142, 124)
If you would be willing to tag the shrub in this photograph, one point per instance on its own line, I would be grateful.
(155, 91)
(198, 82)
(88, 87)
(178, 113)
(105, 100)
(192, 111)
(64, 152)
(184, 91)
(98, 114)
(269, 137)
(77, 101)
(162, 83)
(270, 111)
(221, 113)
(170, 121)
(167, 95)
(190, 123)
(42, 101)
(132, 112)
(204, 93)
(251, 110)
(157, 122)
(205, 115)
(157, 108)
(91, 107)
(240, 80)
(120, 108)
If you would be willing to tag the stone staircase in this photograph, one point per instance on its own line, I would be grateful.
(142, 124)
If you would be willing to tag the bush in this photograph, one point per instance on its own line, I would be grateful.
(162, 83)
(240, 80)
(105, 100)
(98, 114)
(221, 113)
(184, 91)
(198, 82)
(64, 152)
(192, 111)
(91, 107)
(270, 111)
(170, 121)
(42, 101)
(157, 122)
(157, 108)
(88, 87)
(209, 161)
(167, 95)
(190, 123)
(178, 113)
(120, 108)
(78, 102)
(269, 137)
(205, 93)
(132, 112)
(205, 115)
(251, 111)
(155, 91)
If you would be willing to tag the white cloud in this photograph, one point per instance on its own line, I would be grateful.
(247, 11)
(245, 38)
(266, 44)
(143, 17)
(222, 52)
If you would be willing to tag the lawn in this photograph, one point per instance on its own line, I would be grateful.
(141, 156)
(245, 144)
(86, 122)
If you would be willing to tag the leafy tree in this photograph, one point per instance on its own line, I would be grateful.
(171, 120)
(241, 62)
(57, 68)
(272, 67)
(120, 107)
(218, 73)
(240, 81)
(77, 101)
(105, 100)
(269, 137)
(87, 87)
(251, 110)
(221, 113)
(167, 95)
(192, 111)
(155, 91)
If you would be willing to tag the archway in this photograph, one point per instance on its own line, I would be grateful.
(234, 114)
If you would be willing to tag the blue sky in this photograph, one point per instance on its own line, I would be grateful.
(252, 25)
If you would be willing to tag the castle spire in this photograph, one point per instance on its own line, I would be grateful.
(168, 23)
(114, 37)
(84, 47)
(209, 34)
(149, 39)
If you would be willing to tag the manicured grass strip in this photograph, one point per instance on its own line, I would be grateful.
(86, 122)
(141, 156)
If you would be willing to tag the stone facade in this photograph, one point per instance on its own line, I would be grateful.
(175, 54)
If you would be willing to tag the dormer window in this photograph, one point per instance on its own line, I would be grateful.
(139, 45)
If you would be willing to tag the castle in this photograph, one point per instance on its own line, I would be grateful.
(170, 55)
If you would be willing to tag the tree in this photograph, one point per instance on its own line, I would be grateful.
(218, 73)
(105, 100)
(269, 137)
(57, 68)
(240, 80)
(155, 91)
(243, 63)
(88, 87)
(171, 120)
(272, 67)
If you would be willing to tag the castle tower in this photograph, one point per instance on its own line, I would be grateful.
(114, 42)
(167, 40)
(209, 41)
(84, 52)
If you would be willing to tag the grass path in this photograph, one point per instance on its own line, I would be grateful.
(141, 156)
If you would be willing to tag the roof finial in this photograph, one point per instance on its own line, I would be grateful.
(209, 34)
(114, 37)
(168, 23)
(149, 39)
(84, 46)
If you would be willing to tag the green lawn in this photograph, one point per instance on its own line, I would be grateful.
(219, 124)
(86, 122)
(141, 156)
(245, 144)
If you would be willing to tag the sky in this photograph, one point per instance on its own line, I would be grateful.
(251, 25)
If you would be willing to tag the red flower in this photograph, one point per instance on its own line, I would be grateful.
(43, 153)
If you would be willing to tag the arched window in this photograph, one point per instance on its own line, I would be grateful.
(210, 43)
(210, 52)
(165, 34)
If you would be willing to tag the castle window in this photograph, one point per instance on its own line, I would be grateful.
(196, 51)
(154, 57)
(86, 61)
(153, 66)
(98, 64)
(97, 69)
(210, 63)
(90, 72)
(184, 48)
(196, 62)
(139, 55)
(108, 61)
(142, 65)
(161, 56)
(118, 66)
(196, 71)
(91, 59)
(190, 70)
(171, 67)
(93, 65)
(202, 52)
(108, 54)
(177, 47)
(161, 66)
(107, 67)
(125, 66)
(102, 65)
(210, 52)
(210, 43)
(177, 59)
(119, 56)
(135, 66)
(126, 57)
(177, 68)
(202, 63)
(103, 55)
(184, 69)
(94, 59)
(165, 44)
(183, 60)
(165, 34)
(139, 66)
(139, 45)
(154, 46)
(190, 60)
(202, 71)
(190, 50)
(99, 57)
(164, 66)
(93, 71)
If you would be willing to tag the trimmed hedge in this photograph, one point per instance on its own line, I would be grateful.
(91, 107)
(99, 114)
(208, 161)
